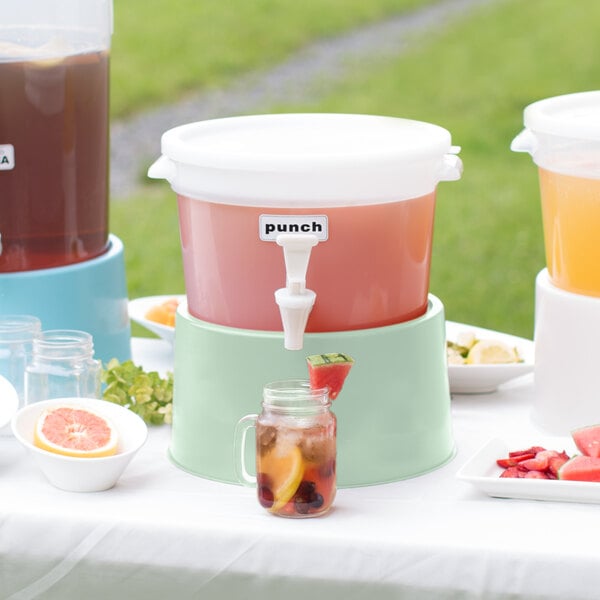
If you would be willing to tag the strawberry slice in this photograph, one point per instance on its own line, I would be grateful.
(512, 461)
(513, 472)
(535, 474)
(556, 462)
(531, 450)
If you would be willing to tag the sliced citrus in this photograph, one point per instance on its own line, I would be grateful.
(164, 312)
(486, 352)
(284, 470)
(73, 431)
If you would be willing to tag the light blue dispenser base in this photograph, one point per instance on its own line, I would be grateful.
(393, 413)
(89, 296)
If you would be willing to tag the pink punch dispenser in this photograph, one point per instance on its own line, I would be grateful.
(307, 234)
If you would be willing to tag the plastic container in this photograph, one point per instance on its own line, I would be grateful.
(295, 450)
(363, 185)
(562, 134)
(54, 98)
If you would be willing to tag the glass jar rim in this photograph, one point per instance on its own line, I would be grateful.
(19, 328)
(63, 343)
(295, 395)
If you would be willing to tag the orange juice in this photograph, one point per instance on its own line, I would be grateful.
(571, 219)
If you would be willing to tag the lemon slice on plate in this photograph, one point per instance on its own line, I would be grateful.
(285, 470)
(492, 352)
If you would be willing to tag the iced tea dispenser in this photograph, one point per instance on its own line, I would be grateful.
(54, 149)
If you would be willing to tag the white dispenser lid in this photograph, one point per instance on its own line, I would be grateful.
(575, 116)
(307, 159)
(562, 134)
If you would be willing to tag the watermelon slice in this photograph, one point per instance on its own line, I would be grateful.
(329, 370)
(580, 468)
(587, 440)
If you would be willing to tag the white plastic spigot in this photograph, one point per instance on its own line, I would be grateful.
(295, 301)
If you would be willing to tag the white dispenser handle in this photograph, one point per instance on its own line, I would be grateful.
(526, 141)
(295, 301)
(163, 168)
(452, 165)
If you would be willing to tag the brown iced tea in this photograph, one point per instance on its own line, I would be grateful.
(54, 154)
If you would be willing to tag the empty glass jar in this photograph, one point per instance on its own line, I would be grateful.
(16, 347)
(62, 366)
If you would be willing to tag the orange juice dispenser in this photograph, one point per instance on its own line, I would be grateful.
(58, 260)
(307, 234)
(562, 134)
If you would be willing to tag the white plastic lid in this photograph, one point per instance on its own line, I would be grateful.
(575, 116)
(306, 159)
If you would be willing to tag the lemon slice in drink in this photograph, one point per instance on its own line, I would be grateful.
(285, 471)
(492, 352)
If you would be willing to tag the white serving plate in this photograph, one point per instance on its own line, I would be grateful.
(9, 401)
(483, 472)
(480, 379)
(140, 306)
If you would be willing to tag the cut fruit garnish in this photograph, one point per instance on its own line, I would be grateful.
(492, 352)
(285, 472)
(73, 431)
(329, 370)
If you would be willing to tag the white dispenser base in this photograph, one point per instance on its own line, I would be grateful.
(567, 358)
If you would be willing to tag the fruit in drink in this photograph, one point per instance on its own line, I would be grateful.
(296, 466)
(282, 470)
(329, 370)
(74, 431)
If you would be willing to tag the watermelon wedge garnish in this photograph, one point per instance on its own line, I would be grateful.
(329, 370)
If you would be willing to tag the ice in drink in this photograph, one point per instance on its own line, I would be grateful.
(54, 144)
(295, 465)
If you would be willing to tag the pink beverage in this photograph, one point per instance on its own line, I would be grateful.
(53, 160)
(295, 450)
(296, 467)
(371, 270)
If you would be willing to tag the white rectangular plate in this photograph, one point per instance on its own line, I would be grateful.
(482, 471)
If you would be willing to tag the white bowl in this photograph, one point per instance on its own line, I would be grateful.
(139, 307)
(483, 379)
(75, 474)
(9, 401)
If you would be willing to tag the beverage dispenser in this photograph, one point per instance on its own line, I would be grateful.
(307, 234)
(562, 134)
(58, 260)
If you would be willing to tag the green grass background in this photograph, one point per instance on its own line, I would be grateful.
(473, 77)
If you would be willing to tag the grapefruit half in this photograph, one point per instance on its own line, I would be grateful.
(73, 431)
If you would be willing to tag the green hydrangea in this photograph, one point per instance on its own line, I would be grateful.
(144, 392)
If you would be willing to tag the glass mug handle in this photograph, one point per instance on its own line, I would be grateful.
(239, 449)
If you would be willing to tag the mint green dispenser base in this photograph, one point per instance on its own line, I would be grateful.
(393, 413)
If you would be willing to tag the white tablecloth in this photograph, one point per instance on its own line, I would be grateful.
(163, 533)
